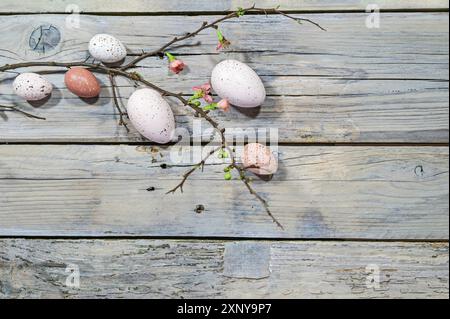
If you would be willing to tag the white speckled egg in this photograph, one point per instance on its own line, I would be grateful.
(238, 83)
(106, 48)
(259, 159)
(32, 86)
(151, 115)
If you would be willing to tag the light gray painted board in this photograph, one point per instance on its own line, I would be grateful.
(407, 45)
(196, 269)
(151, 6)
(344, 108)
(318, 192)
(327, 110)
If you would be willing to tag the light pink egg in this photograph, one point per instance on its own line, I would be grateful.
(151, 115)
(238, 83)
(106, 48)
(32, 86)
(259, 159)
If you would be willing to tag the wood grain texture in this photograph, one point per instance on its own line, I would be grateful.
(365, 111)
(335, 86)
(161, 6)
(197, 269)
(318, 192)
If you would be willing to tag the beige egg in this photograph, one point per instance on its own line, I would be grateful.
(259, 159)
(238, 83)
(151, 115)
(106, 48)
(32, 86)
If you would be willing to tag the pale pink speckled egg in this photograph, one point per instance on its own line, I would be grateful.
(32, 86)
(106, 48)
(238, 83)
(151, 115)
(259, 159)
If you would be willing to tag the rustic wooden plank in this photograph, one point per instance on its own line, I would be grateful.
(337, 86)
(197, 269)
(161, 6)
(364, 111)
(319, 192)
(413, 44)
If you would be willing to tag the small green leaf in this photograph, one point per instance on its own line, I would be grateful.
(170, 57)
(240, 12)
(223, 154)
(228, 176)
(219, 35)
(210, 107)
(198, 94)
(227, 169)
(196, 103)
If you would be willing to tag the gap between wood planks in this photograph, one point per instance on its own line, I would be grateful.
(230, 239)
(361, 144)
(211, 13)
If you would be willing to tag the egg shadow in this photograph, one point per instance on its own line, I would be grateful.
(90, 100)
(48, 102)
(104, 98)
(115, 64)
(3, 115)
(264, 178)
(41, 103)
(251, 112)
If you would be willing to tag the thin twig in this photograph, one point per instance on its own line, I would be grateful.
(299, 20)
(116, 103)
(4, 108)
(246, 182)
(206, 25)
(192, 170)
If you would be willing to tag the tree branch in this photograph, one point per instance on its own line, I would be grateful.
(192, 170)
(116, 103)
(4, 108)
(112, 72)
(205, 25)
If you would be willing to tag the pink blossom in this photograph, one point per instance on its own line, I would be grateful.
(208, 98)
(224, 44)
(176, 66)
(224, 105)
(204, 92)
(205, 88)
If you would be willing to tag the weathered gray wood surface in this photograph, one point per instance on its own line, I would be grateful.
(367, 85)
(319, 192)
(213, 269)
(350, 84)
(161, 6)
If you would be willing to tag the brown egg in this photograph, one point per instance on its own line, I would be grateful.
(82, 82)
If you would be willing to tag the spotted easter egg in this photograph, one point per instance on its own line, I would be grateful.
(82, 82)
(151, 115)
(32, 86)
(106, 48)
(259, 159)
(238, 83)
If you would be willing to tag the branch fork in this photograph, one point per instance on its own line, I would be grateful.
(124, 71)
